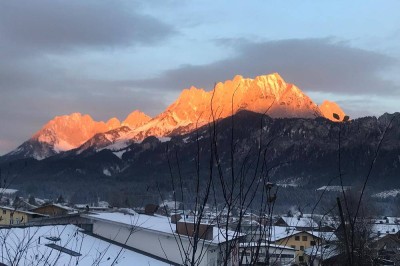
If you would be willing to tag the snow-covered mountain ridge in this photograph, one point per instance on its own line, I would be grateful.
(195, 107)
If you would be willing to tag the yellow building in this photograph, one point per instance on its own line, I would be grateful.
(299, 240)
(11, 216)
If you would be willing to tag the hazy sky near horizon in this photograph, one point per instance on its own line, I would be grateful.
(108, 58)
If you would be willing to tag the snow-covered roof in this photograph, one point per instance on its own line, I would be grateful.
(83, 206)
(299, 221)
(157, 223)
(324, 251)
(383, 229)
(22, 211)
(69, 209)
(23, 243)
(280, 232)
(388, 219)
(325, 220)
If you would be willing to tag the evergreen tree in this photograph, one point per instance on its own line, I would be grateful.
(32, 200)
(60, 199)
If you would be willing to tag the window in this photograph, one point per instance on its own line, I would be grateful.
(4, 211)
(304, 238)
(312, 243)
(297, 238)
(302, 248)
(293, 246)
(301, 258)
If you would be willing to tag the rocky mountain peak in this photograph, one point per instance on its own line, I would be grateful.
(113, 123)
(70, 131)
(135, 119)
(328, 108)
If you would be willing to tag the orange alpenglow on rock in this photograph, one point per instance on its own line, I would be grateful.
(135, 119)
(328, 109)
(268, 94)
(70, 131)
(195, 107)
(113, 123)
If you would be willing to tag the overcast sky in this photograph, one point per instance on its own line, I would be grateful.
(108, 58)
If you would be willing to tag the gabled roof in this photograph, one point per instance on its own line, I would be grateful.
(299, 222)
(22, 211)
(66, 208)
(156, 223)
(281, 232)
(385, 229)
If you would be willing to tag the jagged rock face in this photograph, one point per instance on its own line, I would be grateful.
(61, 134)
(102, 140)
(195, 107)
(329, 108)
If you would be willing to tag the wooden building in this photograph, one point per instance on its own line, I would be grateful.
(53, 210)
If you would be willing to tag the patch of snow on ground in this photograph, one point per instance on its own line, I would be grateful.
(289, 182)
(387, 193)
(117, 145)
(334, 188)
(106, 172)
(8, 191)
(62, 145)
(164, 139)
(119, 153)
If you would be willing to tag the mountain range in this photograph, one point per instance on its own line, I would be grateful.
(268, 94)
(299, 140)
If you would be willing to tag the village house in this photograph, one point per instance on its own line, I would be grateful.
(157, 236)
(53, 209)
(387, 247)
(299, 240)
(11, 216)
(298, 222)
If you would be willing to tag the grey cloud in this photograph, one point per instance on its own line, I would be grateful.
(312, 64)
(31, 27)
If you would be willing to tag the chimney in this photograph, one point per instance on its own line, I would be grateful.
(175, 218)
(150, 209)
(205, 231)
